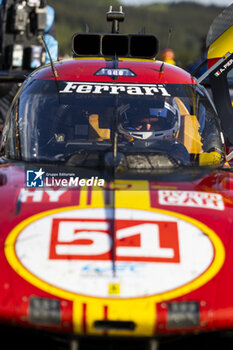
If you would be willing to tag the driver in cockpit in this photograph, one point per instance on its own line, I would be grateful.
(154, 124)
(165, 129)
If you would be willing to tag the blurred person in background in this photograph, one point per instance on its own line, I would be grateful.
(168, 56)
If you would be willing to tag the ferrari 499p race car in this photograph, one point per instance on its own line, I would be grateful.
(116, 192)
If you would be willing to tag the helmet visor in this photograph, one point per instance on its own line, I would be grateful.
(153, 119)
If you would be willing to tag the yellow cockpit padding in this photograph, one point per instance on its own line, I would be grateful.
(192, 138)
(190, 135)
(94, 131)
(212, 158)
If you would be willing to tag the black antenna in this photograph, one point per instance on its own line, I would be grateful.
(115, 136)
(161, 70)
(50, 58)
(142, 30)
(114, 151)
(169, 37)
(115, 62)
(52, 66)
(115, 17)
(87, 29)
(114, 234)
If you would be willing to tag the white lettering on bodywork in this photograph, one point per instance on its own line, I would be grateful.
(37, 196)
(116, 89)
(70, 87)
(192, 199)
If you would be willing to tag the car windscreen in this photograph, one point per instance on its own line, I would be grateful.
(65, 121)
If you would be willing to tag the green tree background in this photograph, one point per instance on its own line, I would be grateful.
(188, 22)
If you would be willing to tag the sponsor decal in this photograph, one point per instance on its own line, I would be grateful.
(31, 195)
(134, 240)
(156, 253)
(223, 68)
(191, 199)
(126, 268)
(114, 89)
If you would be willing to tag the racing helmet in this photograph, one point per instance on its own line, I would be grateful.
(153, 123)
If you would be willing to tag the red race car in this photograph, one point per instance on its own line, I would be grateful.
(116, 194)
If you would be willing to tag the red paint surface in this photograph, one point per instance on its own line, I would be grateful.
(217, 293)
(215, 297)
(147, 71)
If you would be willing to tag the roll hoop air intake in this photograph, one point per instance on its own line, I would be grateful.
(114, 44)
